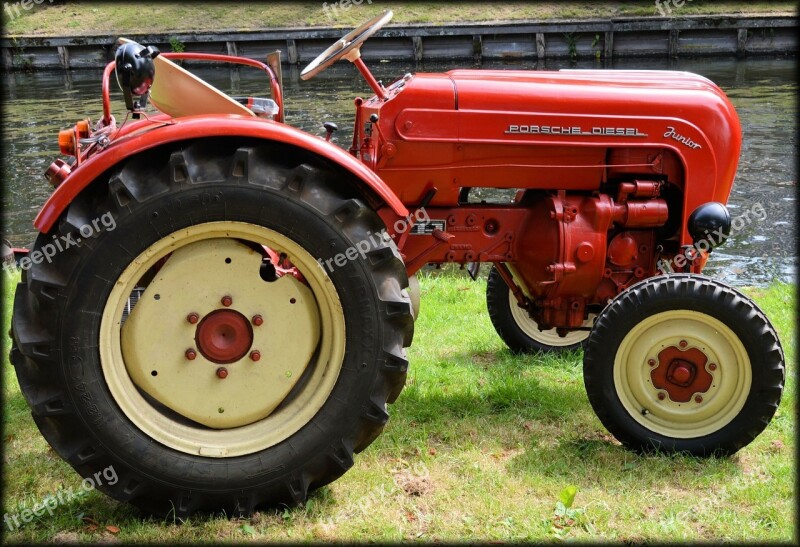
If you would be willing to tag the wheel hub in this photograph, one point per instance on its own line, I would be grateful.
(191, 345)
(681, 373)
(667, 349)
(224, 336)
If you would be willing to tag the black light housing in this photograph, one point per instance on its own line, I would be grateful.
(710, 222)
(135, 71)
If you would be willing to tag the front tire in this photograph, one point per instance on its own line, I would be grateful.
(684, 363)
(521, 333)
(103, 333)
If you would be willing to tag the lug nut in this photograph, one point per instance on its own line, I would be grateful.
(698, 399)
(227, 301)
(222, 373)
(258, 320)
(683, 343)
(191, 354)
(192, 318)
(255, 355)
(661, 396)
(651, 362)
(712, 366)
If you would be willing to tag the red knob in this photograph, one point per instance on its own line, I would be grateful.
(681, 375)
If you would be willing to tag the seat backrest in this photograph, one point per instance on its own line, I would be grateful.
(177, 93)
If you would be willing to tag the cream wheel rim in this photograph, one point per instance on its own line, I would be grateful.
(265, 424)
(706, 411)
(547, 337)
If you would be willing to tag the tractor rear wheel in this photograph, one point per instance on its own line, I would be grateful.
(208, 347)
(521, 333)
(683, 363)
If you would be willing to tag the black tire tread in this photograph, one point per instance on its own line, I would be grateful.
(701, 293)
(140, 181)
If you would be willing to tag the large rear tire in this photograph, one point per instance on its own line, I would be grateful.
(684, 363)
(139, 348)
(521, 333)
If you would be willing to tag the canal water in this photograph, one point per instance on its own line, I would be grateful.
(764, 91)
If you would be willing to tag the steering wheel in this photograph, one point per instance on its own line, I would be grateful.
(348, 46)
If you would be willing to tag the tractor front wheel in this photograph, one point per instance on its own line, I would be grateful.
(229, 342)
(521, 333)
(683, 363)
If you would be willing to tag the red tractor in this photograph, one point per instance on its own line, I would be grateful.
(218, 305)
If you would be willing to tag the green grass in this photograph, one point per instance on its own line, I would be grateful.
(480, 445)
(75, 18)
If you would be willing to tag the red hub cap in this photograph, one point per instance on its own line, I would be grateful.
(224, 336)
(681, 373)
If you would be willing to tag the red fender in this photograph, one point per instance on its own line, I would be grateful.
(193, 127)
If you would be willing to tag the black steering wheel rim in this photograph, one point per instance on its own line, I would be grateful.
(345, 45)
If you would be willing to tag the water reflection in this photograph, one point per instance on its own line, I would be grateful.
(764, 91)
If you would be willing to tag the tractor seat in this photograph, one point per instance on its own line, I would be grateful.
(177, 93)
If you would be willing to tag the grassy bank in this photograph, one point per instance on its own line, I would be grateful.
(480, 445)
(72, 18)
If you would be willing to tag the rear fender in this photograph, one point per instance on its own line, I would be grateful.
(138, 140)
